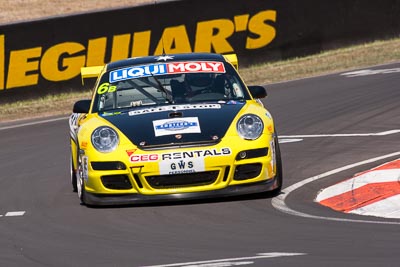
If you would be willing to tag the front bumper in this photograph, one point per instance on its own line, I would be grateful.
(131, 199)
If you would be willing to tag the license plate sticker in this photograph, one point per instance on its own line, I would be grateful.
(181, 166)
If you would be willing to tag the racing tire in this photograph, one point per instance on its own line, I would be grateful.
(80, 181)
(73, 176)
(279, 171)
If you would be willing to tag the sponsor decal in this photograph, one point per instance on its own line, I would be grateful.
(74, 125)
(143, 158)
(165, 68)
(188, 161)
(84, 144)
(176, 156)
(182, 166)
(130, 151)
(63, 60)
(106, 88)
(85, 168)
(73, 121)
(107, 114)
(176, 126)
(196, 154)
(173, 108)
(165, 58)
(273, 154)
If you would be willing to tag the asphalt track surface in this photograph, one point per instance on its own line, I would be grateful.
(43, 224)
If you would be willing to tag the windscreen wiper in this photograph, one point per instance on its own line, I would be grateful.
(162, 89)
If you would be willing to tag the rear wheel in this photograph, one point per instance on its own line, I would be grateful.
(73, 176)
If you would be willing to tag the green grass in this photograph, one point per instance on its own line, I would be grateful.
(344, 59)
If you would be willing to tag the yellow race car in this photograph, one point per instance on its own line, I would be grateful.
(171, 127)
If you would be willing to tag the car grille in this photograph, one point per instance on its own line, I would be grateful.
(116, 182)
(182, 180)
(247, 171)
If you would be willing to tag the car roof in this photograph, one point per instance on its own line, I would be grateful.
(164, 58)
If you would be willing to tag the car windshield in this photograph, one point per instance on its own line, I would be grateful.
(159, 84)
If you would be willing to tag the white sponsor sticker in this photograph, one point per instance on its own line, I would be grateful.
(173, 108)
(176, 126)
(182, 166)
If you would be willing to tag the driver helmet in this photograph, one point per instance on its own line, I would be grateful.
(199, 81)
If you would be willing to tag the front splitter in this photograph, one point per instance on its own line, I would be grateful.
(131, 199)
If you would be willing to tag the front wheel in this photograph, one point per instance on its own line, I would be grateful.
(279, 171)
(80, 179)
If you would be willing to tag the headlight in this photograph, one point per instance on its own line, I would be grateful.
(105, 139)
(250, 127)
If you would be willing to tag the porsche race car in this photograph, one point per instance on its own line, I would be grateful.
(171, 127)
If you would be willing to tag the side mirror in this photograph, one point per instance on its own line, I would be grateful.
(82, 106)
(258, 91)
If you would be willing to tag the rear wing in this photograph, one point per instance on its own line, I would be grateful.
(232, 58)
(90, 72)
